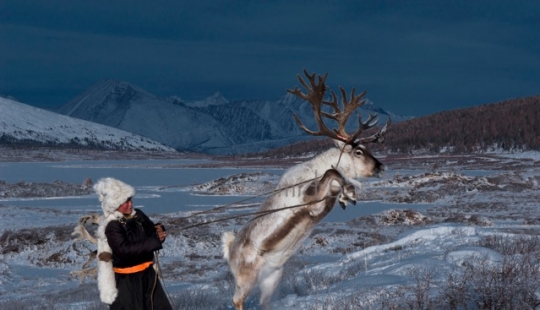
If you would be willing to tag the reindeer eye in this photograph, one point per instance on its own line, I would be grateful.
(358, 152)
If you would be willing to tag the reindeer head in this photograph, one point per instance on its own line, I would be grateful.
(357, 156)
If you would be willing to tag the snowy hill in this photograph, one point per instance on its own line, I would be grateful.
(214, 125)
(432, 233)
(125, 106)
(24, 124)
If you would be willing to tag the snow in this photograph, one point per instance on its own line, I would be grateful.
(534, 155)
(23, 122)
(420, 226)
(216, 99)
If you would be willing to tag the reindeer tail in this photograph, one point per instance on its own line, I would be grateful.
(227, 239)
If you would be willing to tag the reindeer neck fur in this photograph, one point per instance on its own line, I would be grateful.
(277, 235)
(317, 166)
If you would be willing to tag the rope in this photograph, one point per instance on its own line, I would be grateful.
(160, 275)
(154, 288)
(243, 200)
(259, 213)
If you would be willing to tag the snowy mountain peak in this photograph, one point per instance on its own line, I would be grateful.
(289, 99)
(110, 94)
(213, 125)
(24, 124)
(118, 89)
(106, 102)
(175, 100)
(214, 100)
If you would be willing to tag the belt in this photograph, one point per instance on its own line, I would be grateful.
(133, 269)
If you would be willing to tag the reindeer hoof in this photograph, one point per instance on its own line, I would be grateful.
(349, 192)
(344, 199)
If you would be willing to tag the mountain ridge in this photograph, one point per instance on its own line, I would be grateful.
(509, 125)
(22, 124)
(215, 125)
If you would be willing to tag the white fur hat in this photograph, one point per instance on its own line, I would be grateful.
(112, 193)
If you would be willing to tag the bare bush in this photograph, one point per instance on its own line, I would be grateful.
(54, 189)
(479, 283)
(509, 246)
(508, 284)
(420, 295)
(200, 299)
(404, 217)
(25, 305)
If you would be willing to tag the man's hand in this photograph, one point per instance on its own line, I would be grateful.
(160, 230)
(105, 256)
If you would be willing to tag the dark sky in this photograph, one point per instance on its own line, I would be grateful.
(412, 57)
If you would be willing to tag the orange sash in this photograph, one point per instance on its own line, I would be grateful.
(133, 269)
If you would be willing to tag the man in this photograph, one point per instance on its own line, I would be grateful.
(127, 239)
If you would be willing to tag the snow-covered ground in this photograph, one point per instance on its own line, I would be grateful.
(437, 232)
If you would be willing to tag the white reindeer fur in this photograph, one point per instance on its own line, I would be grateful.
(227, 239)
(111, 193)
(106, 281)
(318, 166)
(241, 253)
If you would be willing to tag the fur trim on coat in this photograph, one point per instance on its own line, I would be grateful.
(106, 281)
(111, 193)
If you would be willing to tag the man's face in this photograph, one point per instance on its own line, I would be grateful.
(126, 208)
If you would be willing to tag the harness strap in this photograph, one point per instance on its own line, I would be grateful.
(133, 269)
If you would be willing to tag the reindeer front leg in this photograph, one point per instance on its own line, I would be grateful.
(323, 193)
(348, 194)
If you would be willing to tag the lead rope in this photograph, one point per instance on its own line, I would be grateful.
(163, 286)
(153, 288)
(342, 149)
(257, 213)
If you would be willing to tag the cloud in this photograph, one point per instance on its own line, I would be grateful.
(413, 57)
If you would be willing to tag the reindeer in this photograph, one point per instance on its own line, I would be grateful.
(262, 246)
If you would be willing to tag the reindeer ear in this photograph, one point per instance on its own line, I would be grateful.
(339, 144)
(342, 146)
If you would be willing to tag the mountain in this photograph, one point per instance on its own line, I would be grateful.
(125, 106)
(214, 125)
(24, 124)
(507, 125)
(510, 125)
(214, 100)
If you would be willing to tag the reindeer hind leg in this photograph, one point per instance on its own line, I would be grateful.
(246, 278)
(268, 283)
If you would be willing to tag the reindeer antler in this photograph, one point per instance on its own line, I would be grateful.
(315, 96)
(377, 137)
(83, 234)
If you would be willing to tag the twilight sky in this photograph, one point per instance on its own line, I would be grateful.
(412, 57)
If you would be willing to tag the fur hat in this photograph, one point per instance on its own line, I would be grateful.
(112, 193)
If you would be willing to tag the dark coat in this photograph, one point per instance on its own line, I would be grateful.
(133, 242)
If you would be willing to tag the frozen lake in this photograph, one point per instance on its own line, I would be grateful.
(162, 185)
